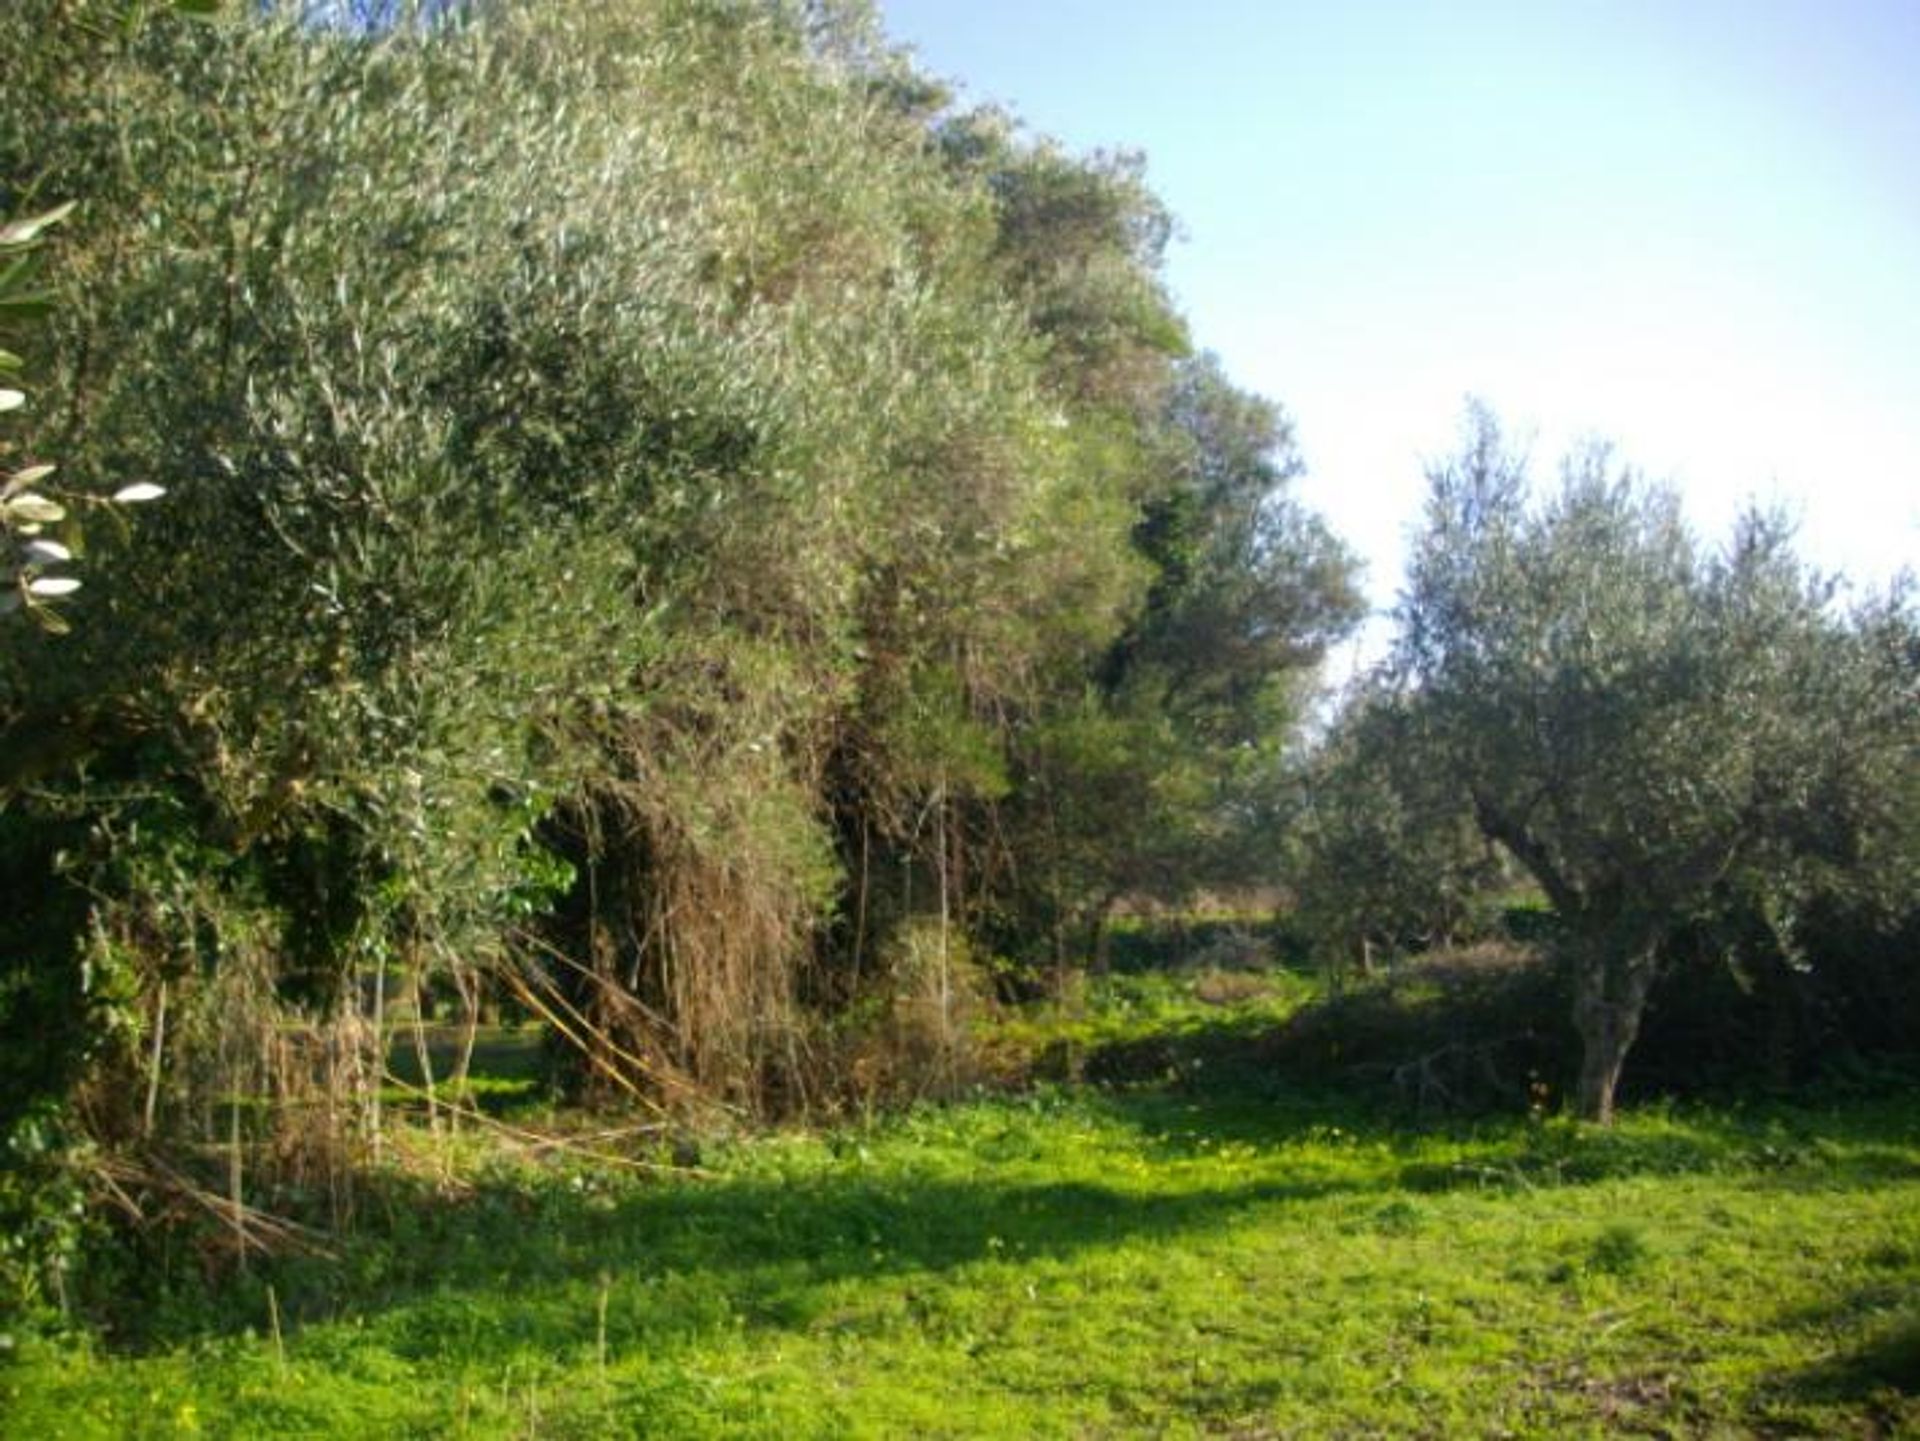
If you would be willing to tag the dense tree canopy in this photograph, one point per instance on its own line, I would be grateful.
(667, 520)
(1662, 735)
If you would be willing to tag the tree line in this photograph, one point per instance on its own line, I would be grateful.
(671, 524)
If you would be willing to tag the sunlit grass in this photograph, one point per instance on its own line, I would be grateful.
(1211, 1256)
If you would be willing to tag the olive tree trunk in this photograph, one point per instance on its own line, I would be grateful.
(1609, 997)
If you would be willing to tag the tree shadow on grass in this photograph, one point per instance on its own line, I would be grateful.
(1888, 1361)
(512, 1264)
(523, 1260)
(1878, 1372)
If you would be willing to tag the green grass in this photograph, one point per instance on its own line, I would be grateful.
(1149, 1025)
(1208, 1256)
(507, 1068)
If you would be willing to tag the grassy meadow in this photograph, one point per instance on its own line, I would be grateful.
(1198, 1252)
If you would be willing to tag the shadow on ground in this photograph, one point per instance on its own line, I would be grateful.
(517, 1259)
(1879, 1375)
(498, 1268)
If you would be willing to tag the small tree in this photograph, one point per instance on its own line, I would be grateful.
(1655, 732)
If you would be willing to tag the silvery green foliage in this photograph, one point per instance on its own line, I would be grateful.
(1657, 730)
(1384, 852)
(582, 426)
(31, 559)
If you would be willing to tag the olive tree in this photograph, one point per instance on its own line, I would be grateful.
(1657, 731)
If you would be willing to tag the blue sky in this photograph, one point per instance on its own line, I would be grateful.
(1691, 226)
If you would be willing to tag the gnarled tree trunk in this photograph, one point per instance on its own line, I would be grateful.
(1609, 997)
